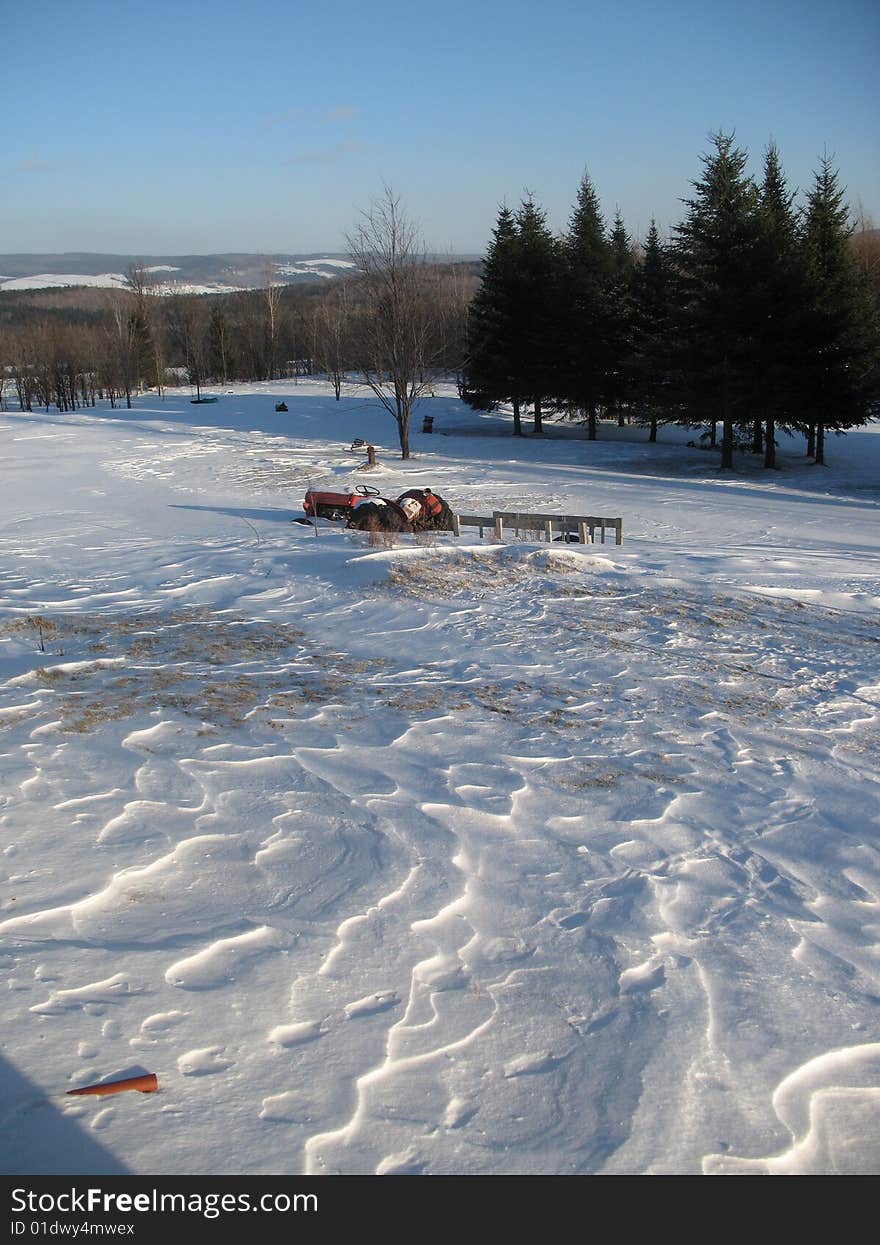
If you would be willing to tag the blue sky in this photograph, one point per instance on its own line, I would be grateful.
(193, 127)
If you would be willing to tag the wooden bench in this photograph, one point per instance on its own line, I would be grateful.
(584, 526)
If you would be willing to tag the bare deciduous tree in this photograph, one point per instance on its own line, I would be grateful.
(148, 338)
(273, 304)
(332, 335)
(865, 244)
(398, 338)
(123, 337)
(189, 322)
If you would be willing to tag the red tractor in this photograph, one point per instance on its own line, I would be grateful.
(414, 510)
(335, 505)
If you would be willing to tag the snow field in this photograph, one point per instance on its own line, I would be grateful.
(437, 857)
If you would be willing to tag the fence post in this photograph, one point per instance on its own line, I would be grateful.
(456, 525)
(619, 532)
(582, 533)
(499, 529)
(548, 530)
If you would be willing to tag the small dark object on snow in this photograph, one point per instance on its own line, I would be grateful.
(428, 423)
(280, 406)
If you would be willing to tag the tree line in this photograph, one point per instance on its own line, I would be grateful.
(72, 348)
(754, 314)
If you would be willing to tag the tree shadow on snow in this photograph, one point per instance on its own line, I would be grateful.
(39, 1139)
(242, 512)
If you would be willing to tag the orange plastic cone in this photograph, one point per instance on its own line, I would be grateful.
(147, 1084)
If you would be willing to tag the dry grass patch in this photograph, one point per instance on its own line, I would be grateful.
(217, 669)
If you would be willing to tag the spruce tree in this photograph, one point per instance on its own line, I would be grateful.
(840, 377)
(717, 256)
(585, 277)
(781, 294)
(537, 306)
(650, 372)
(493, 366)
(619, 320)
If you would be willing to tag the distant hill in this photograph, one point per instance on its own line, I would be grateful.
(185, 274)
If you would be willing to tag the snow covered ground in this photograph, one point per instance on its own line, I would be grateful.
(114, 281)
(322, 266)
(440, 856)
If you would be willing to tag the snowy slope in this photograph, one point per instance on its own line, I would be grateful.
(61, 280)
(192, 277)
(434, 857)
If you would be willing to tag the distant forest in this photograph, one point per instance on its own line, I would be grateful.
(755, 314)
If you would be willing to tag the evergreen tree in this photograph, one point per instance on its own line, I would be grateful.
(493, 366)
(781, 293)
(717, 255)
(585, 277)
(652, 316)
(840, 378)
(536, 306)
(619, 320)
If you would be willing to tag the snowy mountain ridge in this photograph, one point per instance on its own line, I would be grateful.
(170, 274)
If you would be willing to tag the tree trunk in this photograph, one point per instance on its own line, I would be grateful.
(539, 425)
(592, 422)
(811, 440)
(727, 444)
(517, 420)
(713, 433)
(770, 444)
(757, 437)
(653, 433)
(820, 444)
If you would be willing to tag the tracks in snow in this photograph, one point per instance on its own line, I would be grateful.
(477, 908)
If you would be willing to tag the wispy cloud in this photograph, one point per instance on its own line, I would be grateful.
(345, 112)
(328, 155)
(335, 116)
(281, 118)
(33, 165)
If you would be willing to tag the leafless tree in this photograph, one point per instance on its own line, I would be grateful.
(456, 286)
(148, 337)
(332, 334)
(189, 323)
(123, 337)
(398, 343)
(273, 311)
(866, 247)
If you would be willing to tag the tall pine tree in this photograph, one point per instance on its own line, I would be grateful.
(495, 346)
(537, 306)
(586, 272)
(840, 377)
(619, 320)
(650, 373)
(781, 295)
(717, 255)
